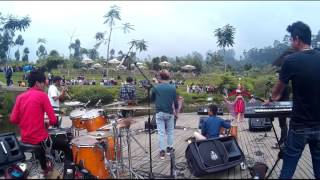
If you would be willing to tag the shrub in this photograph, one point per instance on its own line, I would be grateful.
(94, 93)
(6, 105)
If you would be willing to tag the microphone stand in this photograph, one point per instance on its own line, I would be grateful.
(151, 176)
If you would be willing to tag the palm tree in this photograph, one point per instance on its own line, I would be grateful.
(225, 36)
(112, 15)
(140, 45)
(41, 52)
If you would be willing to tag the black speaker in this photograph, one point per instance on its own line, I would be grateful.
(10, 151)
(259, 124)
(213, 155)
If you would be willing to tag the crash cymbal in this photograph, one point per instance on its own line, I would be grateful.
(129, 108)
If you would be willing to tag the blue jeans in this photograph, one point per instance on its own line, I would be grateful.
(165, 124)
(294, 146)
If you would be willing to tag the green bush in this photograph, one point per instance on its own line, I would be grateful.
(94, 93)
(6, 105)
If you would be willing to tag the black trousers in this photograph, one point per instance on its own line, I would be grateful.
(284, 129)
(8, 81)
(59, 142)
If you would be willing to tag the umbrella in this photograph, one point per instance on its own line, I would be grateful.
(114, 61)
(188, 67)
(165, 64)
(87, 61)
(97, 65)
(139, 63)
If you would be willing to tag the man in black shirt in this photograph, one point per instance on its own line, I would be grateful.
(303, 69)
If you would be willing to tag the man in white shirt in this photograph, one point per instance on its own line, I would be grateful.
(55, 96)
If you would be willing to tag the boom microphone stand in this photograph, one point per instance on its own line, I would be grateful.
(151, 176)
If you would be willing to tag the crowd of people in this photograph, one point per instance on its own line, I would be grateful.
(200, 89)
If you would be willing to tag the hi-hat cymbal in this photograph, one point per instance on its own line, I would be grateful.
(129, 108)
(121, 123)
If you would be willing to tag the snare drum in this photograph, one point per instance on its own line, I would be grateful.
(86, 153)
(94, 119)
(75, 116)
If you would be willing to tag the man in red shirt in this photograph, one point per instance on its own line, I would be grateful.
(28, 113)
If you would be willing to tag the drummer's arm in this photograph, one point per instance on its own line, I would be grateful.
(49, 110)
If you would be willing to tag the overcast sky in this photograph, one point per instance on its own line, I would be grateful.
(171, 28)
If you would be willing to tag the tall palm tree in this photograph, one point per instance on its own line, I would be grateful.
(225, 36)
(112, 15)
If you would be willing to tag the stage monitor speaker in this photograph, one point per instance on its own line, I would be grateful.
(10, 151)
(262, 124)
(213, 155)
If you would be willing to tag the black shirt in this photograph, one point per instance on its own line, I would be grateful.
(303, 69)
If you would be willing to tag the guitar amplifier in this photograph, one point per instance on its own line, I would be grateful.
(256, 124)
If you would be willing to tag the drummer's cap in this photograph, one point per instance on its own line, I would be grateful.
(164, 74)
(56, 78)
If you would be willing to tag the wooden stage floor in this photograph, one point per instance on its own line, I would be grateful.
(255, 146)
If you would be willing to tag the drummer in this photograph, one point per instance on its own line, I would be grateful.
(128, 94)
(28, 114)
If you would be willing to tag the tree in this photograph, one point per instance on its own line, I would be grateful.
(76, 46)
(110, 19)
(17, 55)
(19, 41)
(93, 54)
(8, 26)
(139, 45)
(25, 57)
(54, 53)
(225, 36)
(41, 52)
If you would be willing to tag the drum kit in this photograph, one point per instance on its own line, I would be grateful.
(99, 149)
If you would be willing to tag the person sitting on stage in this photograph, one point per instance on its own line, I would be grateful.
(211, 127)
(128, 94)
(28, 113)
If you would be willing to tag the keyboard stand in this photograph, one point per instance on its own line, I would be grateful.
(280, 154)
